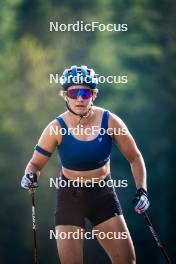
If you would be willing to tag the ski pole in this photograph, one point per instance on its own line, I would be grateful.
(156, 237)
(32, 192)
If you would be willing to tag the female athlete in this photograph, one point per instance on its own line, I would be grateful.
(85, 158)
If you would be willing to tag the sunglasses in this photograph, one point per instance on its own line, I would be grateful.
(74, 93)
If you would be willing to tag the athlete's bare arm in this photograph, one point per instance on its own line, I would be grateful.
(127, 146)
(48, 142)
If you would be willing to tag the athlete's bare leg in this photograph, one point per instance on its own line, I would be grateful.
(120, 251)
(69, 250)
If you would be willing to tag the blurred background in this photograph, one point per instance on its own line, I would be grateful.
(29, 52)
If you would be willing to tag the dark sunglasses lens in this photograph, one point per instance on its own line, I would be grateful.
(85, 93)
(74, 93)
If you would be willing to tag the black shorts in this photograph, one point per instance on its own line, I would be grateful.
(75, 204)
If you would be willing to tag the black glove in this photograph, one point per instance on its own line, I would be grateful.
(29, 180)
(141, 202)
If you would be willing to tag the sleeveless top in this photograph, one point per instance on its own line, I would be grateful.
(81, 155)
